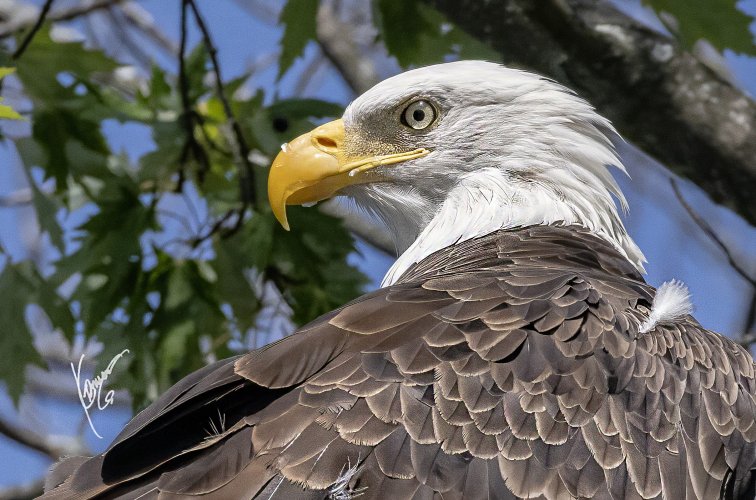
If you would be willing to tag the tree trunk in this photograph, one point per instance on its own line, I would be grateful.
(658, 95)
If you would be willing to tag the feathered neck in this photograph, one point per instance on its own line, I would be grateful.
(491, 199)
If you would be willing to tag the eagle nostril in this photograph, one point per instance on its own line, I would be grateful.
(325, 142)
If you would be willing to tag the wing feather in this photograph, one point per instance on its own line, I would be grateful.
(507, 366)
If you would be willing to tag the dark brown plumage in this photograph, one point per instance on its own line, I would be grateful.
(509, 366)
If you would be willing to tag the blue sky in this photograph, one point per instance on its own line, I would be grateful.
(673, 246)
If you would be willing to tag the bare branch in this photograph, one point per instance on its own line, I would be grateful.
(50, 445)
(265, 12)
(749, 335)
(118, 31)
(241, 149)
(707, 229)
(191, 147)
(308, 73)
(177, 217)
(336, 41)
(216, 227)
(34, 29)
(67, 14)
(20, 197)
(32, 489)
(137, 17)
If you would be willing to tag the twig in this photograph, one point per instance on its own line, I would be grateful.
(308, 74)
(336, 40)
(136, 16)
(707, 229)
(210, 141)
(217, 225)
(262, 11)
(241, 149)
(749, 336)
(23, 196)
(177, 217)
(35, 28)
(185, 103)
(59, 15)
(125, 38)
(191, 146)
(48, 445)
(192, 209)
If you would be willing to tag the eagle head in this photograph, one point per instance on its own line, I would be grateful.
(454, 151)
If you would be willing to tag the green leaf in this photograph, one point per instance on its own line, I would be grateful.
(233, 256)
(309, 263)
(299, 18)
(402, 26)
(46, 209)
(45, 59)
(20, 286)
(159, 95)
(196, 68)
(271, 126)
(15, 337)
(718, 21)
(68, 109)
(65, 146)
(6, 112)
(418, 35)
(110, 256)
(188, 309)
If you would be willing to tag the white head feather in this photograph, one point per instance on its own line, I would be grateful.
(509, 149)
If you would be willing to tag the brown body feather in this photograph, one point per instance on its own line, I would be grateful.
(509, 366)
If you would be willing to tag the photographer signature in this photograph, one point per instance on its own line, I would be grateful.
(90, 391)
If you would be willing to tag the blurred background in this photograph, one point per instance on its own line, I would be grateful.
(135, 138)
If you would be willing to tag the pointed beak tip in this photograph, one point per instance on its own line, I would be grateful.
(304, 172)
(280, 215)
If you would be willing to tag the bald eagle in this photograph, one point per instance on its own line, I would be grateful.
(514, 350)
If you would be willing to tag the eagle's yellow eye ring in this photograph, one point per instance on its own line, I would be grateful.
(419, 115)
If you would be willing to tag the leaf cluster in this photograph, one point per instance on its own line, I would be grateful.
(177, 295)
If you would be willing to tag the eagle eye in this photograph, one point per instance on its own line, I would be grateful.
(419, 115)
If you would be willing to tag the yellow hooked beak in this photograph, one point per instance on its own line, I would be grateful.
(314, 166)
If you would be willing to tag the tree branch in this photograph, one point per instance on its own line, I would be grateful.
(263, 11)
(137, 17)
(191, 147)
(20, 197)
(241, 148)
(336, 41)
(50, 445)
(67, 14)
(34, 29)
(660, 96)
(749, 336)
(713, 236)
